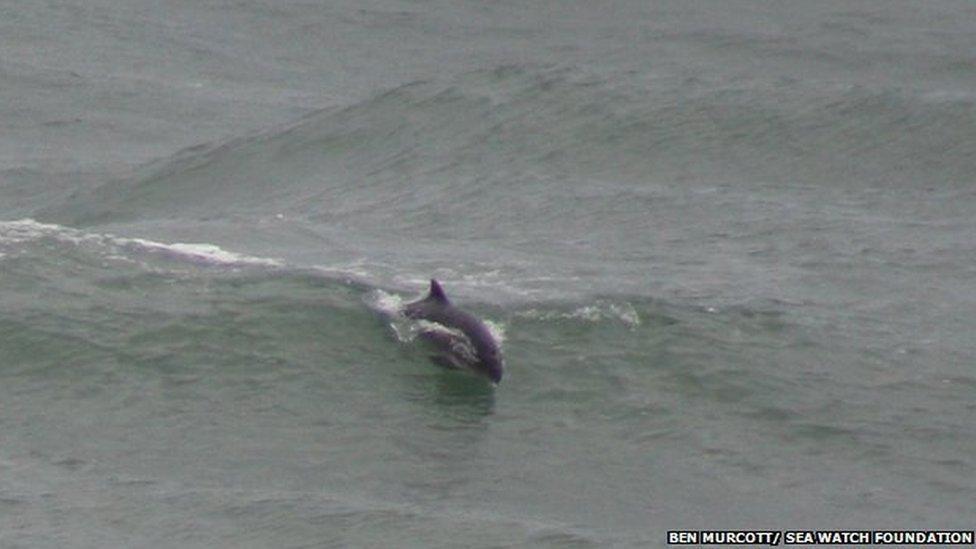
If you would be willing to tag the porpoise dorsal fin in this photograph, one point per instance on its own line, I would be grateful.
(437, 293)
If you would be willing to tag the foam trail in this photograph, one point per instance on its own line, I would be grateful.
(27, 230)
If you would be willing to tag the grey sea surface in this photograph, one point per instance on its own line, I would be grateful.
(728, 247)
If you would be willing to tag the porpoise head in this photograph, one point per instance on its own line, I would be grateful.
(492, 364)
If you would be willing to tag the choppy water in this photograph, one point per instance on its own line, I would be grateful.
(730, 246)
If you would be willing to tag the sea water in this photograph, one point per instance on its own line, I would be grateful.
(729, 246)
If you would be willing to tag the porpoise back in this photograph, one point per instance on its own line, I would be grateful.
(436, 307)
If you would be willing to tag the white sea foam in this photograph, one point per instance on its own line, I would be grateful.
(497, 331)
(205, 253)
(26, 230)
(384, 302)
(623, 312)
(357, 269)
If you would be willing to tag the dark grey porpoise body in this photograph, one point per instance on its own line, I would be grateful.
(486, 358)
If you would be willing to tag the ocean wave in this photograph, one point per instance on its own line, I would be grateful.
(539, 133)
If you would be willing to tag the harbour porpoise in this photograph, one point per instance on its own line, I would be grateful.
(468, 344)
